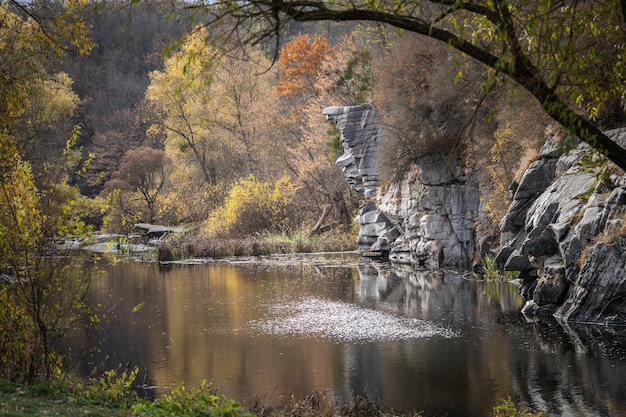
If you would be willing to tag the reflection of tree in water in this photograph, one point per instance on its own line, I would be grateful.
(548, 365)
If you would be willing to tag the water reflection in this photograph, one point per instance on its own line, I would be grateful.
(193, 327)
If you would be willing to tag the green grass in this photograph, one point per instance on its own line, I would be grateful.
(493, 273)
(53, 399)
(26, 403)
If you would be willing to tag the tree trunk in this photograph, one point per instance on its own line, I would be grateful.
(317, 229)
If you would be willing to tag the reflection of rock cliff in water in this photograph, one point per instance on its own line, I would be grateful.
(557, 367)
(427, 219)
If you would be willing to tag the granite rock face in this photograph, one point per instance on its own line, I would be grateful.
(563, 231)
(427, 219)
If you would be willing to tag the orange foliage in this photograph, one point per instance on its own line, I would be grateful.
(300, 62)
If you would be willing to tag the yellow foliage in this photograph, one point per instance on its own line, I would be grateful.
(71, 27)
(26, 48)
(31, 222)
(215, 111)
(18, 339)
(53, 99)
(20, 220)
(252, 206)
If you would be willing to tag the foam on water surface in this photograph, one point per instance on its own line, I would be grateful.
(318, 318)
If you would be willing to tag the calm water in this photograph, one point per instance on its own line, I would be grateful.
(438, 342)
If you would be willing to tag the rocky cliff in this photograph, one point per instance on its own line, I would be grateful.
(427, 219)
(565, 231)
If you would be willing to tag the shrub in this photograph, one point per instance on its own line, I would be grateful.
(252, 206)
(202, 400)
(492, 272)
(508, 409)
(112, 388)
(423, 110)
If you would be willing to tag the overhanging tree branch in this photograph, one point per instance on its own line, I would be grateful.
(507, 57)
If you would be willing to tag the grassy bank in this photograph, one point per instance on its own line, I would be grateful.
(30, 404)
(95, 400)
(192, 246)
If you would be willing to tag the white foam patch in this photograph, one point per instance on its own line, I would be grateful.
(314, 317)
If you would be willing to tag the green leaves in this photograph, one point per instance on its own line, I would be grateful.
(202, 400)
(138, 307)
(44, 293)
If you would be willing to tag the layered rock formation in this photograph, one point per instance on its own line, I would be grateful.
(565, 232)
(360, 137)
(427, 219)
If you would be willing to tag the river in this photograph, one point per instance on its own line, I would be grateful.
(439, 342)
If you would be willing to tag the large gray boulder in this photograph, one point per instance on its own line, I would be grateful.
(360, 139)
(563, 232)
(599, 294)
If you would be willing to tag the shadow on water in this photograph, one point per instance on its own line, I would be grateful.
(212, 321)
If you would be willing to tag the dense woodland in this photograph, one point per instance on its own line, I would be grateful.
(113, 113)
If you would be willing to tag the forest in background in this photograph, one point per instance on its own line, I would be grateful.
(169, 127)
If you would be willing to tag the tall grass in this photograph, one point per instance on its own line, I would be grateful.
(491, 272)
(187, 247)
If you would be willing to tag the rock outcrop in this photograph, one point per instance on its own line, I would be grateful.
(360, 137)
(564, 232)
(428, 218)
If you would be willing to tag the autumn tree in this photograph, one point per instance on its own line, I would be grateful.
(27, 50)
(218, 115)
(210, 106)
(299, 64)
(47, 122)
(42, 299)
(142, 175)
(551, 49)
(181, 94)
(244, 111)
(311, 77)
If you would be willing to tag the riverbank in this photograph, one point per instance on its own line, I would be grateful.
(46, 399)
(190, 246)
